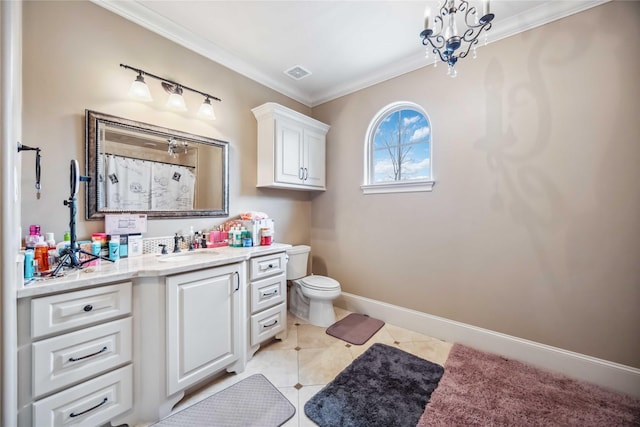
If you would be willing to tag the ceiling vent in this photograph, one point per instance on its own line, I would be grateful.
(297, 72)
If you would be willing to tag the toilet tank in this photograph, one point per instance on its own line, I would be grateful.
(297, 264)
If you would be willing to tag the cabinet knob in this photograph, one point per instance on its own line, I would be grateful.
(88, 307)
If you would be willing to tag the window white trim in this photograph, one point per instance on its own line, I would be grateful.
(393, 186)
(397, 187)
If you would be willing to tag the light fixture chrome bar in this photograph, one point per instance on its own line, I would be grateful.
(162, 79)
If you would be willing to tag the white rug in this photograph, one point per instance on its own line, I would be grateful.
(253, 401)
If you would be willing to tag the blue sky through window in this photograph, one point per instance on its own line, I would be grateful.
(401, 147)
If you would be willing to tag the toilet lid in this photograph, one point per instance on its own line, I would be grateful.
(320, 283)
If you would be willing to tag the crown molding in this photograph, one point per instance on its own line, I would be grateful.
(135, 12)
(152, 21)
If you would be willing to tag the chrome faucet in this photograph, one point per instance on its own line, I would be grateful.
(176, 243)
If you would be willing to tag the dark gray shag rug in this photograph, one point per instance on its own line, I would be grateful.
(385, 386)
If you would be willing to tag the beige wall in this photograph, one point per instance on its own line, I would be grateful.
(533, 227)
(72, 52)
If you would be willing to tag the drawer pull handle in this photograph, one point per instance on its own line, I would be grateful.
(73, 415)
(271, 324)
(74, 359)
(268, 294)
(88, 307)
(270, 266)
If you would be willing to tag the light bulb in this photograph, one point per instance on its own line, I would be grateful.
(139, 90)
(206, 110)
(176, 101)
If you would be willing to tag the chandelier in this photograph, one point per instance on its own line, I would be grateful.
(445, 40)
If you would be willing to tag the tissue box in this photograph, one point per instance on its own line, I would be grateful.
(254, 226)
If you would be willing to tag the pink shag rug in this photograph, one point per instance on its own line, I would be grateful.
(482, 389)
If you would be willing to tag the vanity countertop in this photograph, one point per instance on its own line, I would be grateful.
(149, 265)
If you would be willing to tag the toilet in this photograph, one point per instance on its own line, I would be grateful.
(310, 297)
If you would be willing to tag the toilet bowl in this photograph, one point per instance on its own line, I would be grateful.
(311, 297)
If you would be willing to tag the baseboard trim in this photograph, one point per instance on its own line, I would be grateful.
(622, 378)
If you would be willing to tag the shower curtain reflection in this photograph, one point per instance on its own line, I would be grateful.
(141, 185)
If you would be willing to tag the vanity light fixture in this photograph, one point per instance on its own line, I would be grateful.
(175, 101)
(445, 39)
(206, 110)
(139, 90)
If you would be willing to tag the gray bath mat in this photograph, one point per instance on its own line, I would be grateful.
(355, 328)
(383, 387)
(253, 401)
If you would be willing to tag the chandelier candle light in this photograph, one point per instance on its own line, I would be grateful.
(445, 40)
(140, 91)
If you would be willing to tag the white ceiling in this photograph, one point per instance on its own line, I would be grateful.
(346, 45)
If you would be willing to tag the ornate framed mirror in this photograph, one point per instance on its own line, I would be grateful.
(135, 167)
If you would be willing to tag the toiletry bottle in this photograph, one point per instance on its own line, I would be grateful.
(51, 250)
(66, 243)
(239, 237)
(34, 234)
(51, 241)
(42, 255)
(28, 264)
(232, 237)
(114, 250)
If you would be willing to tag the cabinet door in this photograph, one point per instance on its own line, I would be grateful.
(288, 147)
(203, 321)
(314, 158)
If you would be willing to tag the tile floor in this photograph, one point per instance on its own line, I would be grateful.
(309, 359)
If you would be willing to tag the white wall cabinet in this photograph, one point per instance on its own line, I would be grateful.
(291, 149)
(203, 324)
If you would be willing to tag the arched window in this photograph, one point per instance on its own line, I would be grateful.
(398, 149)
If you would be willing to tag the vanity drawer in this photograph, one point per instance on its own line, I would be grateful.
(92, 403)
(69, 310)
(268, 265)
(72, 357)
(268, 323)
(268, 292)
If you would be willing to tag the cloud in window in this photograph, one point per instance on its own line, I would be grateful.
(411, 170)
(407, 121)
(420, 133)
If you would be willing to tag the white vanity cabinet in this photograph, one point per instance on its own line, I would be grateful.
(187, 328)
(203, 324)
(267, 299)
(291, 149)
(75, 353)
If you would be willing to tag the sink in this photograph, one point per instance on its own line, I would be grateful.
(186, 256)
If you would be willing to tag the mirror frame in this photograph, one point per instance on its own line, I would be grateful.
(92, 149)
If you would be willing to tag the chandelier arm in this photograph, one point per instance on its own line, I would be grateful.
(471, 13)
(469, 46)
(437, 41)
(436, 49)
(443, 9)
(471, 34)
